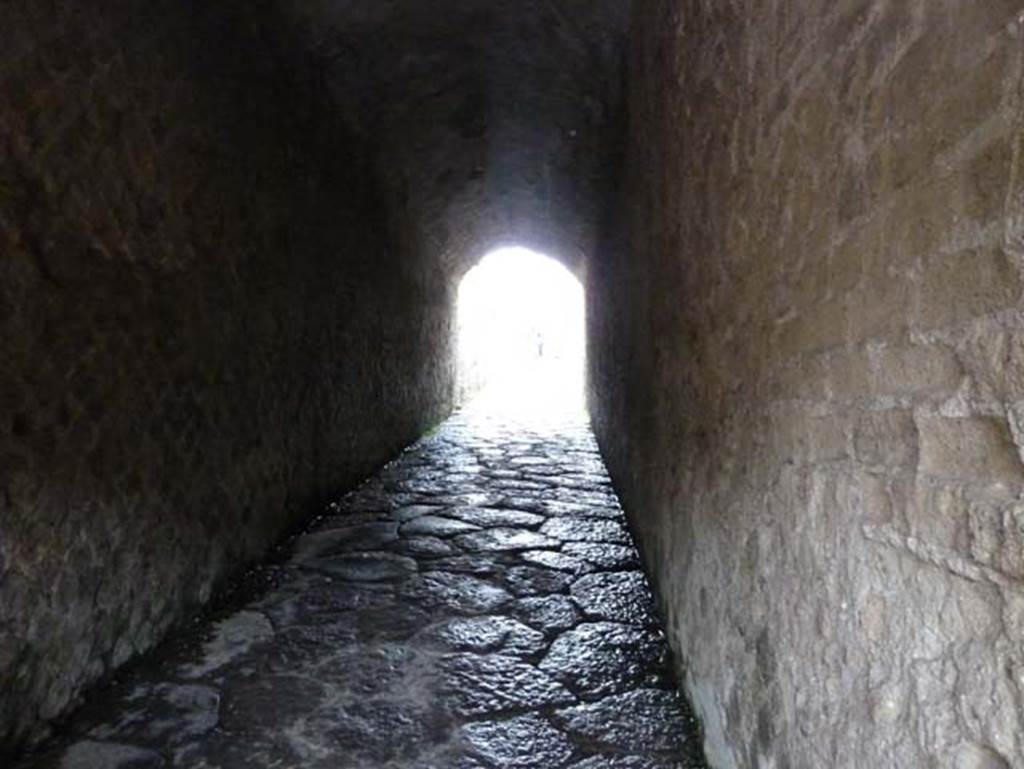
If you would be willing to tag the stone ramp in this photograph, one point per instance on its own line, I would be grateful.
(477, 604)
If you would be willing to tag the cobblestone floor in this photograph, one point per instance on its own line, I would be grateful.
(476, 604)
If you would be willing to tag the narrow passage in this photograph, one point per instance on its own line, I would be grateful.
(478, 603)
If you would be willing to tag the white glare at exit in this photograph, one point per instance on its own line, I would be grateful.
(521, 343)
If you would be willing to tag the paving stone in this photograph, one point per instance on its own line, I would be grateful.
(551, 559)
(489, 516)
(436, 526)
(574, 529)
(265, 703)
(454, 759)
(465, 477)
(643, 721)
(426, 487)
(604, 556)
(493, 540)
(375, 732)
(535, 580)
(394, 621)
(232, 638)
(500, 473)
(469, 564)
(362, 500)
(365, 567)
(580, 497)
(519, 485)
(615, 596)
(322, 600)
(301, 647)
(412, 512)
(457, 592)
(478, 685)
(554, 507)
(224, 750)
(631, 762)
(489, 634)
(108, 755)
(383, 668)
(505, 624)
(332, 541)
(471, 500)
(599, 658)
(543, 472)
(425, 546)
(167, 714)
(548, 613)
(525, 460)
(526, 741)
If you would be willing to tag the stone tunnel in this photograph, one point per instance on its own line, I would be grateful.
(231, 236)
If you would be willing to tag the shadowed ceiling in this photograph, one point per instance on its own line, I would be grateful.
(490, 121)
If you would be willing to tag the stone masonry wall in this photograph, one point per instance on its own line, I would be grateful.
(807, 353)
(204, 323)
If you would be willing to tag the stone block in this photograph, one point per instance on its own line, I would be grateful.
(993, 356)
(970, 449)
(887, 439)
(917, 225)
(849, 373)
(878, 309)
(917, 370)
(828, 438)
(987, 181)
(945, 298)
(935, 512)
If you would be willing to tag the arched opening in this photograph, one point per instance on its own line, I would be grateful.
(521, 336)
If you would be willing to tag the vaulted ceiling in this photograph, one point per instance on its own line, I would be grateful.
(490, 121)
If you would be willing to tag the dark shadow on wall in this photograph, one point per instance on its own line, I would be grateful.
(203, 326)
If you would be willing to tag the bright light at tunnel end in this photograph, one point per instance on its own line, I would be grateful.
(521, 337)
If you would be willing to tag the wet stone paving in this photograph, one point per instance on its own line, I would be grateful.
(478, 604)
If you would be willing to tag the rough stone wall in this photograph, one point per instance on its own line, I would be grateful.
(807, 352)
(205, 324)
